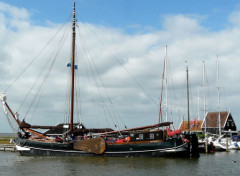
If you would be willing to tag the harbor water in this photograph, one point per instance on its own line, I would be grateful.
(219, 163)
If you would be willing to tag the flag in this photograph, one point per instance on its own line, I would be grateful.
(193, 123)
(69, 64)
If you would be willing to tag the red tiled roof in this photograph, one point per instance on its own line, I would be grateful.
(196, 127)
(212, 119)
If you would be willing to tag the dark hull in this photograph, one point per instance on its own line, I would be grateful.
(171, 147)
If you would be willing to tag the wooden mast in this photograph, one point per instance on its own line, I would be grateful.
(73, 65)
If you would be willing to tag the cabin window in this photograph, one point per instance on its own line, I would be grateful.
(131, 135)
(232, 124)
(140, 136)
(65, 126)
(151, 135)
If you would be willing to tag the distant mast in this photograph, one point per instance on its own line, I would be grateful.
(166, 82)
(188, 99)
(73, 65)
(163, 78)
(204, 99)
(204, 108)
(218, 87)
(198, 116)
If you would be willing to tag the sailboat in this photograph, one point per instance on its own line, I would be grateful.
(151, 140)
(220, 144)
(220, 141)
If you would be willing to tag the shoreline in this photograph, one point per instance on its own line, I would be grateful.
(5, 140)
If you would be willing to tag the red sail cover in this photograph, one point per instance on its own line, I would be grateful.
(171, 133)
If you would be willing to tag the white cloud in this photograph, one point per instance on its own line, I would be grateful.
(234, 18)
(14, 12)
(14, 17)
(140, 54)
(181, 25)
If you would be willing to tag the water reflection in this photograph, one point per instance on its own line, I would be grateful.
(206, 164)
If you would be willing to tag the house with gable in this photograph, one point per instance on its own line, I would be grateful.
(212, 125)
(195, 128)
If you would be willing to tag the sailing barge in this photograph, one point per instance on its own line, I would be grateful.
(154, 140)
(143, 141)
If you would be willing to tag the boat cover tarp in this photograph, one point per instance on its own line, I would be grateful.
(172, 133)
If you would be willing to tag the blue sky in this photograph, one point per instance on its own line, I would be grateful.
(126, 13)
(136, 32)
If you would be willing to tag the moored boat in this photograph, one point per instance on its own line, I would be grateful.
(146, 142)
(153, 140)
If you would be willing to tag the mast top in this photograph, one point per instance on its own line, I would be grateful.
(74, 14)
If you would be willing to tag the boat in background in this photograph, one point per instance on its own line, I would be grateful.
(235, 142)
(225, 142)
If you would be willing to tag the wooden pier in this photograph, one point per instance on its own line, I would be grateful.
(8, 147)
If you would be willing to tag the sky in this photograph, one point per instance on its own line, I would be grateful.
(130, 32)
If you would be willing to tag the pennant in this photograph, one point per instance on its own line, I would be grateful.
(193, 123)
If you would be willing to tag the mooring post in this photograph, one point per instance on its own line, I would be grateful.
(227, 144)
(206, 143)
(194, 145)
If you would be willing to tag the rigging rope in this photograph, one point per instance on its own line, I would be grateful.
(41, 87)
(178, 104)
(78, 91)
(119, 62)
(67, 100)
(11, 121)
(91, 95)
(94, 76)
(103, 102)
(35, 58)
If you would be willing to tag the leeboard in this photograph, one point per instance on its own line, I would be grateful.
(92, 145)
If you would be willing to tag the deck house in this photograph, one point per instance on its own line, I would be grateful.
(79, 129)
